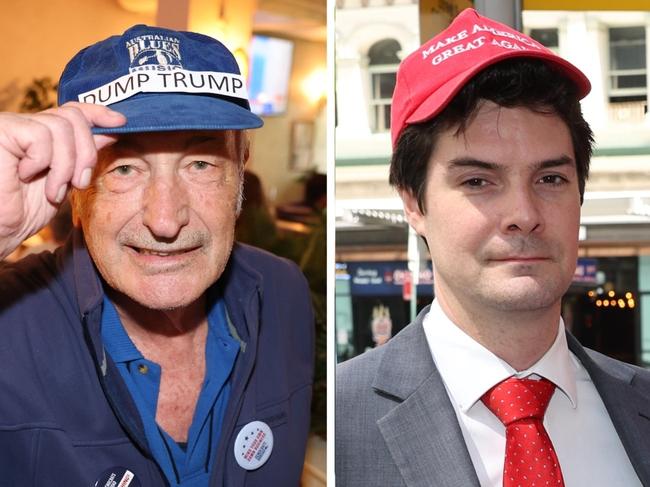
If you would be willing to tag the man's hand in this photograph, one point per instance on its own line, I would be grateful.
(41, 156)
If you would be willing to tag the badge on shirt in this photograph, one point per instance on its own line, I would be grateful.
(117, 477)
(253, 445)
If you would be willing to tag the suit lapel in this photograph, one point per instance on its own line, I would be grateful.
(625, 395)
(422, 431)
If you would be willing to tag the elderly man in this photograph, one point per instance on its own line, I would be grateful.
(149, 350)
(491, 154)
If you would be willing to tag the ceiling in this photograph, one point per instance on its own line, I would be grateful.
(302, 19)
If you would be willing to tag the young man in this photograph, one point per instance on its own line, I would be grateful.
(149, 350)
(486, 388)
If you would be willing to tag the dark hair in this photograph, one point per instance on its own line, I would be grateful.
(315, 189)
(518, 82)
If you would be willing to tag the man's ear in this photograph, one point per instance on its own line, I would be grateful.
(76, 207)
(414, 215)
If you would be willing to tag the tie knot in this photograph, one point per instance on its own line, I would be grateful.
(516, 399)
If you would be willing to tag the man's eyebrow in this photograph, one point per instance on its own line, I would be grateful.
(560, 161)
(464, 162)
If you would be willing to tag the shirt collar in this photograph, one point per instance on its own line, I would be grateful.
(122, 349)
(117, 342)
(470, 370)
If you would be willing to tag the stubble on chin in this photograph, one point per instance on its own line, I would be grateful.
(522, 294)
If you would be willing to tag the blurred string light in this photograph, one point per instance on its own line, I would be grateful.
(396, 217)
(610, 299)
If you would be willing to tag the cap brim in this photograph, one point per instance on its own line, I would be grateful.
(441, 97)
(157, 112)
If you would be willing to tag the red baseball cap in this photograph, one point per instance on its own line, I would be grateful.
(430, 77)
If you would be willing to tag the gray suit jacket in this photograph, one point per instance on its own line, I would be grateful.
(395, 424)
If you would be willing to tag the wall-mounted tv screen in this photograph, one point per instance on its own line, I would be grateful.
(268, 74)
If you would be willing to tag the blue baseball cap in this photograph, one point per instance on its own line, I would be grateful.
(161, 80)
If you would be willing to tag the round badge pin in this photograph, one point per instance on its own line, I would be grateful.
(117, 477)
(253, 445)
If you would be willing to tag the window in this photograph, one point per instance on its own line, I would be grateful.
(548, 38)
(382, 67)
(627, 64)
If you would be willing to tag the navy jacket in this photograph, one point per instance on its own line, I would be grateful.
(65, 413)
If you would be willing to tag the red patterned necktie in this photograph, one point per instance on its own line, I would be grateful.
(520, 404)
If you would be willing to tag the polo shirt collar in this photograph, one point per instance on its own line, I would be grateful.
(117, 342)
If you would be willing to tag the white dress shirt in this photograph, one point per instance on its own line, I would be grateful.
(586, 443)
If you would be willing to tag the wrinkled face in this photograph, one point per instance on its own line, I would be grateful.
(502, 211)
(159, 216)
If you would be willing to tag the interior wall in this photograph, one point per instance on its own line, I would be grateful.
(41, 36)
(271, 145)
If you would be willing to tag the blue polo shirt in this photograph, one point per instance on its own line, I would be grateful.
(187, 465)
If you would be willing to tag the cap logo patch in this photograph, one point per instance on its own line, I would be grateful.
(155, 67)
(154, 52)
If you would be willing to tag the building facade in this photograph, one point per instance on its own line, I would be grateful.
(608, 305)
